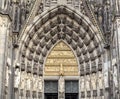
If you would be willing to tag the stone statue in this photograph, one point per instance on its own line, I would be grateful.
(28, 82)
(40, 10)
(8, 72)
(61, 85)
(93, 81)
(22, 80)
(115, 79)
(17, 78)
(40, 84)
(7, 76)
(35, 82)
(88, 82)
(82, 84)
(100, 80)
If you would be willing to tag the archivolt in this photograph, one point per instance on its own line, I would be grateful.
(54, 25)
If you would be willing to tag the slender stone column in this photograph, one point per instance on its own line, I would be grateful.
(117, 32)
(4, 30)
(106, 74)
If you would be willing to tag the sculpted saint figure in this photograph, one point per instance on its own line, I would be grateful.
(100, 80)
(40, 84)
(88, 82)
(93, 81)
(61, 87)
(35, 82)
(17, 78)
(61, 84)
(7, 76)
(82, 83)
(22, 80)
(29, 81)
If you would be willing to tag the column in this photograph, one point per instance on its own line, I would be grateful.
(117, 32)
(106, 74)
(4, 29)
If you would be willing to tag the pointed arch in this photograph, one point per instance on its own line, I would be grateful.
(59, 23)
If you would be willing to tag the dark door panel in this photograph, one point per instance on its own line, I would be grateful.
(51, 96)
(71, 96)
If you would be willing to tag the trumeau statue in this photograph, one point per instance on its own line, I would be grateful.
(61, 84)
(17, 78)
(61, 87)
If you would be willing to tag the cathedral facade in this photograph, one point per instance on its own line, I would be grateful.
(59, 49)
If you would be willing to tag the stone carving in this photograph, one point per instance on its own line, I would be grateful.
(22, 80)
(61, 87)
(87, 82)
(17, 78)
(93, 66)
(100, 79)
(22, 63)
(115, 79)
(82, 84)
(40, 9)
(61, 57)
(29, 81)
(35, 82)
(8, 72)
(7, 76)
(40, 84)
(93, 81)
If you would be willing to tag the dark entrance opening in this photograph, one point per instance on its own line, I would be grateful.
(71, 96)
(71, 89)
(51, 96)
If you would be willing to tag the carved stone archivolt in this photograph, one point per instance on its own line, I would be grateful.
(59, 24)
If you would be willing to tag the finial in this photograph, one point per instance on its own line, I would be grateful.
(61, 70)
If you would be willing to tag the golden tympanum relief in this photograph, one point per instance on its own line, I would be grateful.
(61, 61)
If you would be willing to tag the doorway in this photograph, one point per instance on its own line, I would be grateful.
(71, 96)
(51, 96)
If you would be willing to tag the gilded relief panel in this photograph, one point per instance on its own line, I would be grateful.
(61, 61)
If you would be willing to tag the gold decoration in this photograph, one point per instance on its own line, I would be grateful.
(61, 61)
(61, 70)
